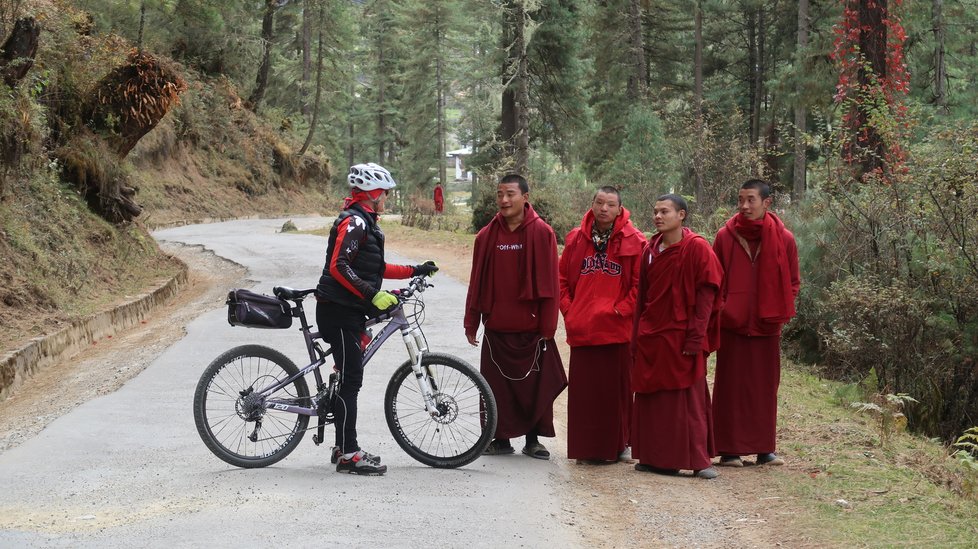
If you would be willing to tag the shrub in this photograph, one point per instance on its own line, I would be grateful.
(890, 271)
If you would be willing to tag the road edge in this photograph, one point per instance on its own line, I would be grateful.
(19, 365)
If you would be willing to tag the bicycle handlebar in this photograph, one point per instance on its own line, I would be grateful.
(418, 284)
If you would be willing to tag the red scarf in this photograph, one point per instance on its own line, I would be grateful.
(539, 272)
(775, 300)
(365, 197)
(750, 229)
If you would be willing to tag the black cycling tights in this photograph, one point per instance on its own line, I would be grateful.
(348, 355)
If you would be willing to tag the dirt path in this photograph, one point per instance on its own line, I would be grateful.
(607, 505)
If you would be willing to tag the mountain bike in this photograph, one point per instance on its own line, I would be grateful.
(252, 404)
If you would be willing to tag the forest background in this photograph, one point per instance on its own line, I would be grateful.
(118, 116)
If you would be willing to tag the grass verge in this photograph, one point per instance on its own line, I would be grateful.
(851, 491)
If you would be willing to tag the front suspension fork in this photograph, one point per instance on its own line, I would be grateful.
(416, 346)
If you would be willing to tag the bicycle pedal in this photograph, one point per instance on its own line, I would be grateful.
(315, 439)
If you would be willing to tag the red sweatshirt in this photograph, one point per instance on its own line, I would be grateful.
(598, 290)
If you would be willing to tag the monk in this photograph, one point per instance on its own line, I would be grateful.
(439, 197)
(598, 287)
(676, 328)
(514, 292)
(760, 259)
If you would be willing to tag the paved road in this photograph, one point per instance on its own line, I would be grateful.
(128, 469)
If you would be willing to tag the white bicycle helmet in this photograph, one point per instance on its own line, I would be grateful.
(370, 176)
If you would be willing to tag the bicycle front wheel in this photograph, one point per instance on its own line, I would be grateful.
(466, 412)
(231, 413)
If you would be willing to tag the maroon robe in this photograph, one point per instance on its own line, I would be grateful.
(599, 401)
(677, 326)
(762, 280)
(513, 290)
(672, 429)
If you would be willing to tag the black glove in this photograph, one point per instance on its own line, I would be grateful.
(428, 268)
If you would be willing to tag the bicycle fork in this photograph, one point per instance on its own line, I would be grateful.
(417, 347)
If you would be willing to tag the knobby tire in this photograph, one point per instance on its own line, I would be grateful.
(455, 439)
(218, 406)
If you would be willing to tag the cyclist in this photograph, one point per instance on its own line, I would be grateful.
(348, 292)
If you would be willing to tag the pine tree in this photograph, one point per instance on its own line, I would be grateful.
(427, 72)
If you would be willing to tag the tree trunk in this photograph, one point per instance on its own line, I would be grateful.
(752, 61)
(16, 58)
(18, 51)
(761, 64)
(319, 83)
(142, 25)
(800, 177)
(514, 126)
(440, 94)
(940, 64)
(381, 107)
(772, 145)
(638, 76)
(126, 104)
(306, 39)
(872, 44)
(698, 105)
(507, 122)
(261, 82)
(522, 152)
(351, 129)
(758, 79)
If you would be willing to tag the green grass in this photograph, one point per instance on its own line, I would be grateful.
(909, 493)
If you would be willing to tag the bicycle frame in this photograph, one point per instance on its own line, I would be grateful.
(396, 320)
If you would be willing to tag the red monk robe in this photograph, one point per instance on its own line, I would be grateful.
(678, 311)
(513, 290)
(597, 297)
(439, 197)
(760, 259)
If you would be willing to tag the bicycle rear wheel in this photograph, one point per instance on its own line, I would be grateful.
(467, 412)
(231, 416)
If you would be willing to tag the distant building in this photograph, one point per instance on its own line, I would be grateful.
(459, 156)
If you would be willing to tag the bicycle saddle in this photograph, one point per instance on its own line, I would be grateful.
(282, 292)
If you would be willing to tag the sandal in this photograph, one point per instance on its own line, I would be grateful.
(646, 468)
(498, 448)
(537, 451)
(731, 461)
(769, 459)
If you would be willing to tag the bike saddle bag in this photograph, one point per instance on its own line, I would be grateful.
(251, 310)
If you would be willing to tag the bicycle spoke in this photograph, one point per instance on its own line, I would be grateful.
(458, 433)
(228, 405)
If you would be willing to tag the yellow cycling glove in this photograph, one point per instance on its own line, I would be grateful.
(384, 300)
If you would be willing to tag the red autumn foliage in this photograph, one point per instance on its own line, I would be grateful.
(873, 83)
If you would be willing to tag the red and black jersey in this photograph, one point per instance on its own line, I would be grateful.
(355, 266)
